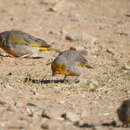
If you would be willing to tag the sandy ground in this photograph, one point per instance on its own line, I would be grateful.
(100, 26)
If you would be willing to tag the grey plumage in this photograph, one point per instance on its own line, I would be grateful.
(73, 61)
(19, 43)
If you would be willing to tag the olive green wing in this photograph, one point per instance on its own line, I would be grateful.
(83, 62)
(22, 38)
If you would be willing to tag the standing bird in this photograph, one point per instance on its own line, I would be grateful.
(21, 44)
(124, 113)
(69, 63)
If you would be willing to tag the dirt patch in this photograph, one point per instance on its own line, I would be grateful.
(100, 26)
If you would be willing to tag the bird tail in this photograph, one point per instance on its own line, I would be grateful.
(87, 66)
(43, 48)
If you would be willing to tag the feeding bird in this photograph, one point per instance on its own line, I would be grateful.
(70, 63)
(21, 44)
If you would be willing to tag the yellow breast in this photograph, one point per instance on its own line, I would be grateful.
(61, 69)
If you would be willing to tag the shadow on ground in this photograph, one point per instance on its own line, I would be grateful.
(46, 81)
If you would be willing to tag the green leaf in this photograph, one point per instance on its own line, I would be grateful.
(31, 105)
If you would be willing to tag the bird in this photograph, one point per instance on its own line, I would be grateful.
(70, 63)
(124, 113)
(20, 44)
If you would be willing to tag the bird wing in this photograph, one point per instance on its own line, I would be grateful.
(83, 62)
(22, 38)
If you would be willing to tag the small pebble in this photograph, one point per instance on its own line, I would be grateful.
(71, 116)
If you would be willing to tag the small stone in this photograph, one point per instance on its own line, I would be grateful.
(127, 15)
(71, 116)
(110, 51)
(51, 125)
(44, 126)
(43, 3)
(53, 112)
(11, 19)
(30, 113)
(84, 37)
(123, 34)
(58, 6)
(2, 103)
